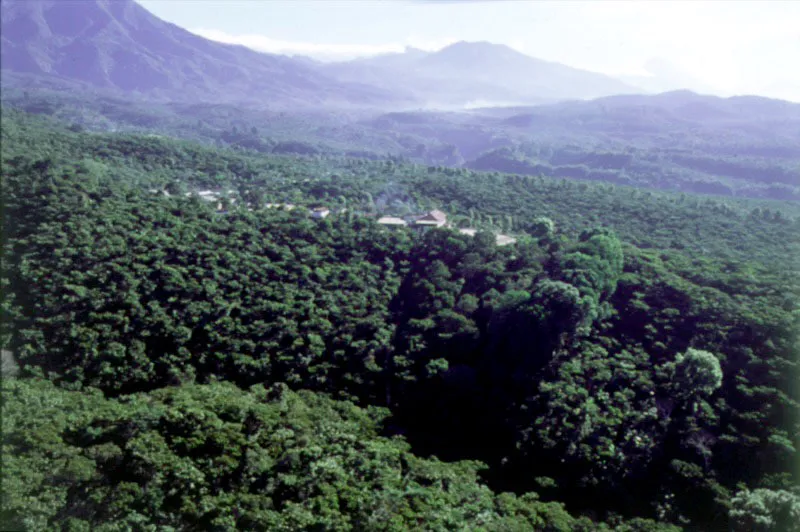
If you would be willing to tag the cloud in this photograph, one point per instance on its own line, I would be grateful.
(423, 2)
(455, 1)
(711, 41)
(321, 51)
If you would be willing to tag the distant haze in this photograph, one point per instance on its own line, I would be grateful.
(719, 47)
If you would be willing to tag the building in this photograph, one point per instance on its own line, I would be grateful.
(209, 195)
(320, 212)
(285, 206)
(468, 231)
(432, 219)
(390, 220)
(505, 240)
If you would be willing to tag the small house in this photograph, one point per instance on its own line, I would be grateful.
(432, 219)
(209, 195)
(320, 212)
(505, 240)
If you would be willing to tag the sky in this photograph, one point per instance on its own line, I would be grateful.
(719, 46)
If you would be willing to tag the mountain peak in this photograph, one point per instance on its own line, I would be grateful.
(477, 48)
(118, 45)
(480, 54)
(467, 72)
(475, 45)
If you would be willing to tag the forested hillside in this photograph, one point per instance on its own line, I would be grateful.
(742, 147)
(169, 363)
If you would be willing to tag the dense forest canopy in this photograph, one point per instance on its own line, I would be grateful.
(171, 363)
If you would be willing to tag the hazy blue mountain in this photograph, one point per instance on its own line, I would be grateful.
(474, 73)
(680, 140)
(684, 108)
(660, 75)
(118, 45)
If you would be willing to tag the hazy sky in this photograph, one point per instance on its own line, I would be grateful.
(732, 47)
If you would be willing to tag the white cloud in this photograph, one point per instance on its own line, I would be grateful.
(430, 45)
(320, 51)
(713, 42)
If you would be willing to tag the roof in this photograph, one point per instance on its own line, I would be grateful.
(390, 220)
(434, 216)
(208, 195)
(321, 209)
(468, 231)
(504, 240)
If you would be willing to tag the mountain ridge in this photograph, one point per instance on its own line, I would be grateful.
(121, 46)
(465, 72)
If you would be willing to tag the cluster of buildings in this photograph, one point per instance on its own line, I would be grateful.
(318, 212)
(431, 219)
(434, 218)
(437, 218)
(218, 195)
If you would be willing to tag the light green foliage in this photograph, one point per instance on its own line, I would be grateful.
(763, 510)
(595, 264)
(697, 372)
(217, 457)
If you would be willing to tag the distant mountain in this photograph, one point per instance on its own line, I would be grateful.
(117, 45)
(679, 140)
(468, 72)
(684, 107)
(660, 75)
